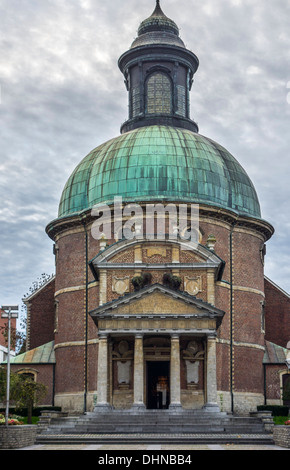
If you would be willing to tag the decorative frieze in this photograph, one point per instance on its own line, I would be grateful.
(158, 324)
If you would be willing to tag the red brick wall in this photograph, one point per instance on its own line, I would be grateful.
(3, 326)
(248, 287)
(44, 375)
(273, 381)
(41, 313)
(71, 297)
(277, 315)
(248, 370)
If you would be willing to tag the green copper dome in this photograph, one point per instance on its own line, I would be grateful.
(160, 163)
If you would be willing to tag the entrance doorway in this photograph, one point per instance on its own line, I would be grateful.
(158, 381)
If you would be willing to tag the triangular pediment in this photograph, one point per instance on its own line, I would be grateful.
(158, 300)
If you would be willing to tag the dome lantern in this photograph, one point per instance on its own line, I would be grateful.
(158, 71)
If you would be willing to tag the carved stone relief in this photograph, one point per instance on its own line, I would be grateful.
(120, 285)
(156, 251)
(192, 285)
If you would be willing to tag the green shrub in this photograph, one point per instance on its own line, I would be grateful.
(36, 411)
(142, 281)
(138, 282)
(172, 281)
(277, 410)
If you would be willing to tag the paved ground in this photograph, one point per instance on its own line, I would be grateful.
(156, 447)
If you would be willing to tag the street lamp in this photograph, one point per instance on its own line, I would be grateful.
(8, 312)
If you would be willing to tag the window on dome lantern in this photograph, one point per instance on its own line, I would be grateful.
(158, 94)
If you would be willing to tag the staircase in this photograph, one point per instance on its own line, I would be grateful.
(151, 426)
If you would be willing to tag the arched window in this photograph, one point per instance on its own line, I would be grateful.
(159, 94)
(28, 374)
(286, 389)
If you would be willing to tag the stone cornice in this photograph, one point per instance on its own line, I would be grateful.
(65, 224)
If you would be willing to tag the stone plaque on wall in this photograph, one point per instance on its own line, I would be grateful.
(123, 356)
(192, 371)
(192, 356)
(123, 372)
(120, 285)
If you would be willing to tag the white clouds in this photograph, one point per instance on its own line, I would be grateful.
(288, 92)
(210, 9)
(253, 70)
(63, 94)
(85, 4)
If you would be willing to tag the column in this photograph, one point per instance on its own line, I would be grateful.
(175, 395)
(211, 381)
(139, 373)
(102, 401)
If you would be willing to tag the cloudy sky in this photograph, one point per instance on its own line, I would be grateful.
(62, 95)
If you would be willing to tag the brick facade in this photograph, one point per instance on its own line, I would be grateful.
(242, 304)
(277, 314)
(240, 339)
(44, 374)
(40, 316)
(3, 328)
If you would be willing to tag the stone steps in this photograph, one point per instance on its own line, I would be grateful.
(127, 426)
(169, 439)
(150, 426)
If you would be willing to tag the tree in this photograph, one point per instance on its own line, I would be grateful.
(27, 393)
(24, 391)
(20, 346)
(20, 343)
(3, 377)
(2, 383)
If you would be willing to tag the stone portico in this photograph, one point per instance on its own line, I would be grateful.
(162, 334)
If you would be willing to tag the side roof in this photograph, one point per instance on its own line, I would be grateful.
(42, 355)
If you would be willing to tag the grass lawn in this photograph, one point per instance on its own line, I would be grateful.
(35, 420)
(280, 420)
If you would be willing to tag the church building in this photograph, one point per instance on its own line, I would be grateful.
(159, 299)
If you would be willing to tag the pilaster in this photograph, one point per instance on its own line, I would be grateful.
(211, 380)
(102, 401)
(139, 373)
(175, 393)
